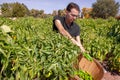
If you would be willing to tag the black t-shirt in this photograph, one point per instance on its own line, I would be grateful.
(73, 29)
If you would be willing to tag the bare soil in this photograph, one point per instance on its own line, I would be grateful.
(110, 75)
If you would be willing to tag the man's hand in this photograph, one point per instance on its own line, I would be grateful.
(82, 49)
(78, 44)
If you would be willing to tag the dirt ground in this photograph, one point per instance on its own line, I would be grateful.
(110, 76)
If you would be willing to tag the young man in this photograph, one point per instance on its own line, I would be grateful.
(66, 25)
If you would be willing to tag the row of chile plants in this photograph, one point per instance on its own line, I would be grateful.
(29, 49)
(101, 37)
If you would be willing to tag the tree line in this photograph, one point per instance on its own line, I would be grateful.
(100, 9)
(19, 10)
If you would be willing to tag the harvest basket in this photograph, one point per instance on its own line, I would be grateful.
(94, 68)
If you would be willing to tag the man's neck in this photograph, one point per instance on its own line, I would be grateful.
(67, 22)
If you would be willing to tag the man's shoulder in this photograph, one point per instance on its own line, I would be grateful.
(58, 17)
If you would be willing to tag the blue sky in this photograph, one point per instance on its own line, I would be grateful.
(49, 5)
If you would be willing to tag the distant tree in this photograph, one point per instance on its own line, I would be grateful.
(41, 14)
(86, 12)
(6, 9)
(37, 13)
(26, 9)
(19, 10)
(14, 10)
(34, 12)
(61, 12)
(55, 12)
(105, 8)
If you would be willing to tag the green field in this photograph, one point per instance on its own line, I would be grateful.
(29, 48)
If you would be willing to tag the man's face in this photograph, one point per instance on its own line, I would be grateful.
(72, 15)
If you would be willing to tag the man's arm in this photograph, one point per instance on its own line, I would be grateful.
(64, 32)
(61, 29)
(80, 44)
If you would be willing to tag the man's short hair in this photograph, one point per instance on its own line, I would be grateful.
(72, 5)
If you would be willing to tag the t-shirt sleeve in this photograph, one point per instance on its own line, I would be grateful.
(55, 18)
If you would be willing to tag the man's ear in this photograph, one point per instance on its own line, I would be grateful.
(66, 12)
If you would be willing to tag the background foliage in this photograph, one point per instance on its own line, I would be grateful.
(100, 9)
(105, 8)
